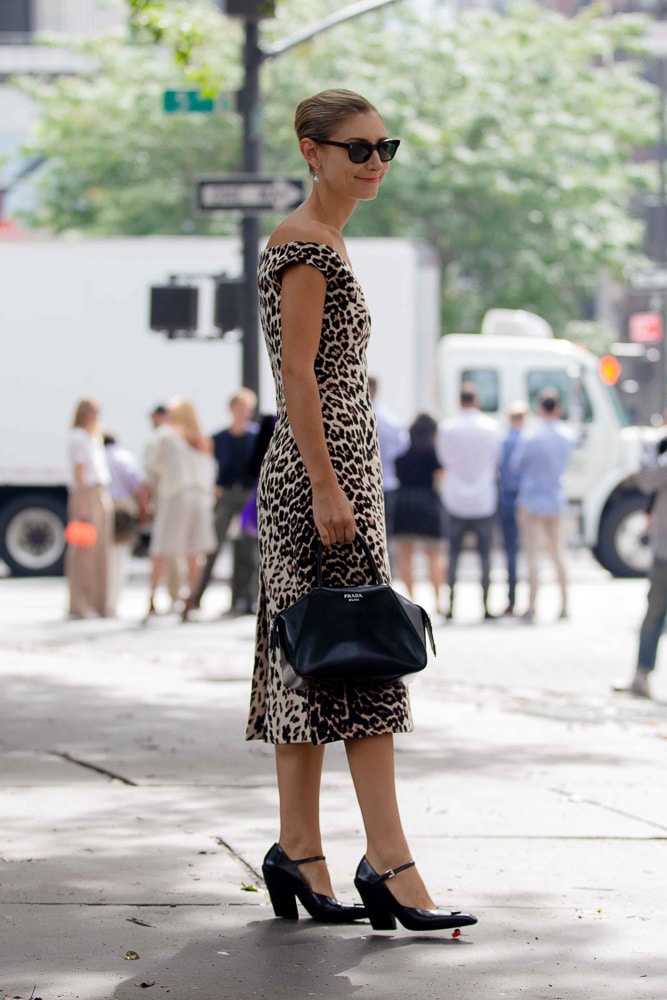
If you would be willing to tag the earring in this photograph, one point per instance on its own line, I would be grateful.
(316, 177)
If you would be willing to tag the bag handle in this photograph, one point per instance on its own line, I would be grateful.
(369, 556)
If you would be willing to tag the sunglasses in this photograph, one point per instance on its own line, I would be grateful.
(360, 151)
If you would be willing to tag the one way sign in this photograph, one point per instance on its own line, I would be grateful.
(248, 194)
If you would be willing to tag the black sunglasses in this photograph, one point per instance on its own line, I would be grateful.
(360, 151)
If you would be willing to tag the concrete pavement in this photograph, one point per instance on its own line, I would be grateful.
(135, 817)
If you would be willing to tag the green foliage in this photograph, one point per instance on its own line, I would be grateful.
(517, 132)
(597, 337)
(517, 136)
(117, 164)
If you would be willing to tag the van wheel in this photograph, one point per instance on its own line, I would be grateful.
(32, 541)
(623, 546)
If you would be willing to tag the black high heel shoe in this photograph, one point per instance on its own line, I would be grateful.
(286, 884)
(383, 908)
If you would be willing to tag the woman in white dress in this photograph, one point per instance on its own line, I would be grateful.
(182, 468)
(87, 569)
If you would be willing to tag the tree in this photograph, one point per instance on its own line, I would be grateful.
(518, 134)
(517, 138)
(116, 163)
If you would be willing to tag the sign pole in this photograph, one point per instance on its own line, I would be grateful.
(251, 112)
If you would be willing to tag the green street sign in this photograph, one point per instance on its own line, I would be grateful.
(191, 101)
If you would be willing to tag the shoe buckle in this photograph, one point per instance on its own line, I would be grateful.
(390, 873)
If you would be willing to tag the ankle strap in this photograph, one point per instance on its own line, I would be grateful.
(306, 861)
(394, 871)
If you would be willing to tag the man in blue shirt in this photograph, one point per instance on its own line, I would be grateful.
(540, 461)
(508, 489)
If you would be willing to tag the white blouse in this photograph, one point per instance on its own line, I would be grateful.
(173, 466)
(88, 451)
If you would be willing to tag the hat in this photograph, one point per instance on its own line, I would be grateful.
(518, 409)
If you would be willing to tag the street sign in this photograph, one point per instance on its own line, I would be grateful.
(248, 194)
(649, 281)
(645, 328)
(187, 101)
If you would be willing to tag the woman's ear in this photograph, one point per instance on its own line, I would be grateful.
(310, 153)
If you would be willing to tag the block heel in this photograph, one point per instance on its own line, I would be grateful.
(281, 893)
(381, 918)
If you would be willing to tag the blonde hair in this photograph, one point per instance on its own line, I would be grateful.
(246, 396)
(183, 417)
(86, 415)
(316, 117)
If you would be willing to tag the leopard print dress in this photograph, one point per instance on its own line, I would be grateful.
(287, 536)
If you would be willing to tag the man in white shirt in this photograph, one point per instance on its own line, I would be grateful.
(469, 447)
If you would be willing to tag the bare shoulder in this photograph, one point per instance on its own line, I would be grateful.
(294, 230)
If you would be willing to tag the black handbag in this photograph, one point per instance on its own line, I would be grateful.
(363, 636)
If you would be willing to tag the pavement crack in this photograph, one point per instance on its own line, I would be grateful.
(611, 809)
(93, 767)
(248, 867)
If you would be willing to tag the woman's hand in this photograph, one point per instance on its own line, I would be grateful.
(334, 516)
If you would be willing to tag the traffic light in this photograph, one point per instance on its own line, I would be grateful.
(174, 308)
(610, 369)
(228, 309)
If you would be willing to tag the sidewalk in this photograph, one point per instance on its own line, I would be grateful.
(135, 817)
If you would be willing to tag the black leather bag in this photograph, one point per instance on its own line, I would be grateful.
(362, 636)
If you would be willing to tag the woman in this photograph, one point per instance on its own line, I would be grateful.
(321, 479)
(129, 494)
(182, 468)
(418, 520)
(87, 569)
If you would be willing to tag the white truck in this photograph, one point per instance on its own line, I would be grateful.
(74, 320)
(512, 359)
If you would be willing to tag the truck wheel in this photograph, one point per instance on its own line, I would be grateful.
(623, 546)
(32, 542)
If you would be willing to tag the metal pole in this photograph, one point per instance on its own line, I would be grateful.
(662, 216)
(251, 112)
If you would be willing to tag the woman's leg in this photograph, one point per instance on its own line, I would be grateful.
(157, 571)
(403, 554)
(436, 570)
(194, 573)
(371, 761)
(299, 771)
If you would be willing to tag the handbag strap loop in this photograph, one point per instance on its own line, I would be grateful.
(369, 557)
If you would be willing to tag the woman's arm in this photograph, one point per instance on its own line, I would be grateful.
(302, 309)
(81, 512)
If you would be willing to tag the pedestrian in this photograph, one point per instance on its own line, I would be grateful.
(129, 492)
(322, 479)
(539, 461)
(468, 446)
(652, 479)
(183, 468)
(233, 448)
(418, 513)
(393, 439)
(508, 483)
(174, 567)
(87, 569)
(248, 520)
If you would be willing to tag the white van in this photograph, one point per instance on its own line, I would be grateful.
(512, 359)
